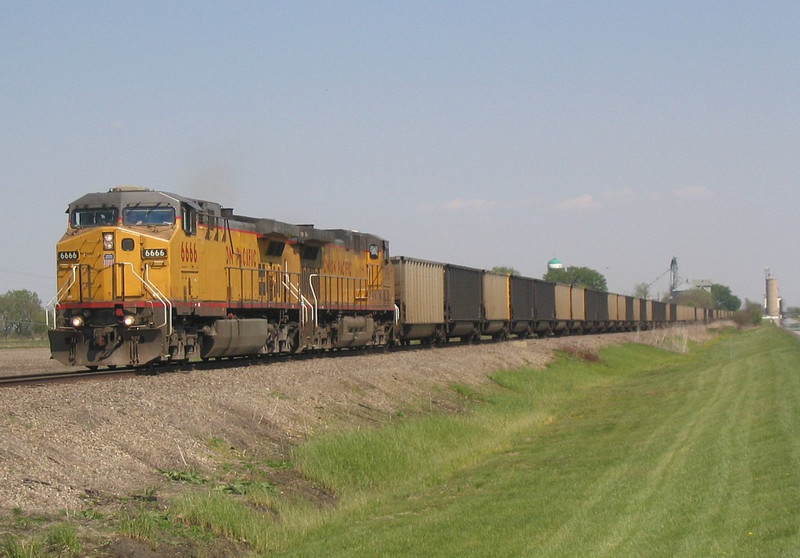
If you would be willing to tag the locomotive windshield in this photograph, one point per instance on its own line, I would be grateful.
(94, 217)
(148, 216)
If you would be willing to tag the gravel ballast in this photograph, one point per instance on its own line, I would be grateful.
(67, 444)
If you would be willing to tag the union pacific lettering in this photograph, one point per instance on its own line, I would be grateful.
(343, 268)
(244, 258)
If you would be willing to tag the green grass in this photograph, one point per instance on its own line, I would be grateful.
(644, 453)
(59, 540)
(23, 343)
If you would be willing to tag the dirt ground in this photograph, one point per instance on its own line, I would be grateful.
(67, 446)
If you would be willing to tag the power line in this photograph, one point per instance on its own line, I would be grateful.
(26, 274)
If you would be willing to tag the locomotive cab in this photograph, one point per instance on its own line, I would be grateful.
(112, 273)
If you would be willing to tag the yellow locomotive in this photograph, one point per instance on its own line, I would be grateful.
(146, 276)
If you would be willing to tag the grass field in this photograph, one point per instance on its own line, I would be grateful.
(11, 343)
(643, 453)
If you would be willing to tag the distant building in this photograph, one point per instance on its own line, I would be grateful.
(702, 284)
(555, 263)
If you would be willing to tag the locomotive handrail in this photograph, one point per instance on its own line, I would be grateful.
(59, 294)
(164, 299)
(295, 290)
(160, 296)
(156, 293)
(315, 312)
(359, 287)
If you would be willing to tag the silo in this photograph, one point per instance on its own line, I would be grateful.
(773, 299)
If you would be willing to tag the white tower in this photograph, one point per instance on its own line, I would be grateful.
(773, 301)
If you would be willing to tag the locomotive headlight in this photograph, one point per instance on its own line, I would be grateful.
(108, 241)
(128, 320)
(76, 321)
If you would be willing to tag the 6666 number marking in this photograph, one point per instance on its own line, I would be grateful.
(68, 256)
(154, 253)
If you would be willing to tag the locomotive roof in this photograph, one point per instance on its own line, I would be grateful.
(122, 196)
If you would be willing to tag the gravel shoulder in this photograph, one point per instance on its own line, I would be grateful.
(67, 446)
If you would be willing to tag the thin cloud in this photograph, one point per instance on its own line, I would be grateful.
(581, 203)
(476, 204)
(620, 195)
(462, 205)
(693, 192)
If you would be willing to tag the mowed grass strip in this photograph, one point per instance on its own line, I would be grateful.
(644, 453)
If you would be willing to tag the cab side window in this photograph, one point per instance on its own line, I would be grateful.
(189, 219)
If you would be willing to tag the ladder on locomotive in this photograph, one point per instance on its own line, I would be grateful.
(84, 283)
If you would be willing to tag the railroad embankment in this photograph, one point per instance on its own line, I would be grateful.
(101, 446)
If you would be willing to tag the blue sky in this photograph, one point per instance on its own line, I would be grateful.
(613, 135)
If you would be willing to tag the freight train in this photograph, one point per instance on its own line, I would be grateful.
(147, 276)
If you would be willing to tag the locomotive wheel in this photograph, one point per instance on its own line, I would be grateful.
(501, 335)
(292, 341)
(473, 337)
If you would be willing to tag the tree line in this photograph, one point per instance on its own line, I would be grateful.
(22, 315)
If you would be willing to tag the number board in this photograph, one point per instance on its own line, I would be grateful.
(154, 253)
(68, 256)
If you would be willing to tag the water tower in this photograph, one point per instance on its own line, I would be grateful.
(555, 263)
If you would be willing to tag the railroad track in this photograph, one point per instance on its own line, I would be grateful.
(70, 375)
(156, 369)
(200, 365)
